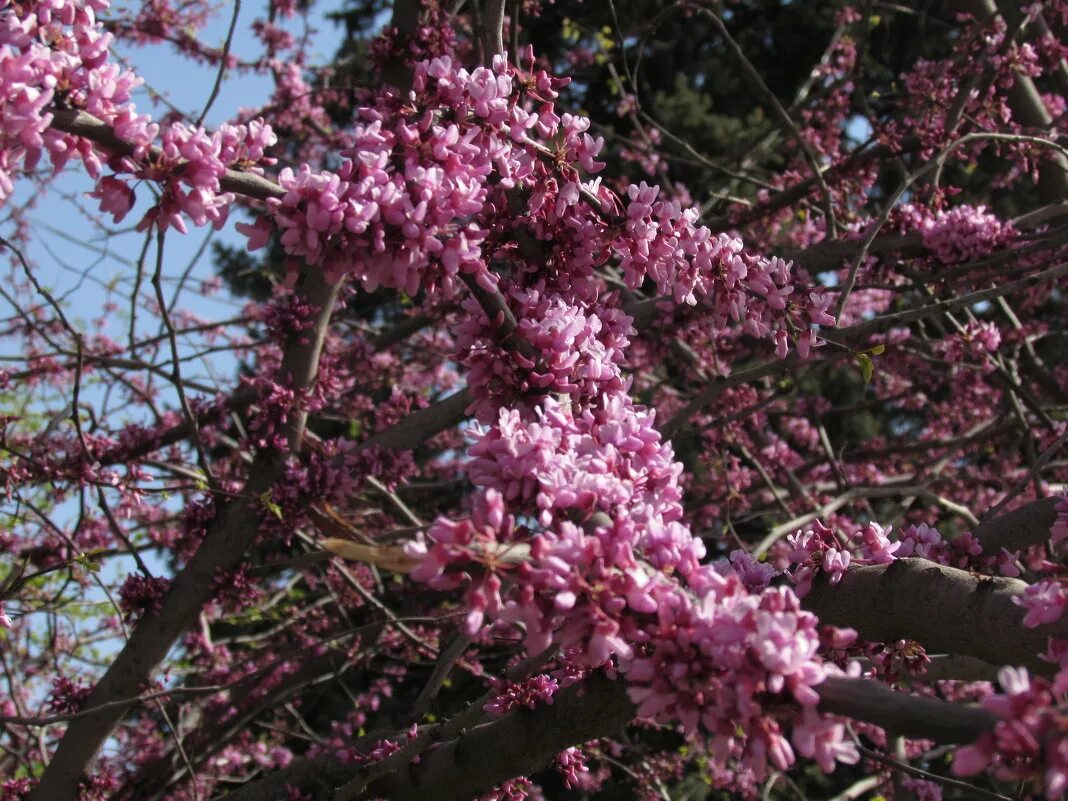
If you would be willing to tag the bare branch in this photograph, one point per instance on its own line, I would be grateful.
(417, 428)
(494, 22)
(1020, 528)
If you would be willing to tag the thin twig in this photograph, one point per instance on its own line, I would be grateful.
(224, 59)
(754, 76)
(176, 370)
(971, 789)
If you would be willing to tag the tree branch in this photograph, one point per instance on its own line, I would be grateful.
(944, 609)
(1028, 525)
(417, 428)
(526, 740)
(85, 125)
(229, 535)
(905, 715)
(1028, 109)
(494, 22)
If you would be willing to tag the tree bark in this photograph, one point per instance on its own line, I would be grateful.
(944, 609)
(526, 740)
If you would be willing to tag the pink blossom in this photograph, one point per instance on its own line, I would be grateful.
(115, 195)
(824, 740)
(835, 562)
(1044, 602)
(571, 764)
(529, 694)
(877, 546)
(1059, 530)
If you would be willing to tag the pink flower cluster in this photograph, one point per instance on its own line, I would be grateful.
(606, 569)
(528, 694)
(814, 549)
(518, 789)
(558, 348)
(67, 695)
(891, 660)
(963, 552)
(571, 764)
(688, 263)
(1029, 741)
(57, 53)
(399, 210)
(189, 164)
(961, 234)
(413, 202)
(876, 546)
(50, 51)
(1044, 601)
(140, 596)
(976, 341)
(707, 660)
(287, 316)
(755, 575)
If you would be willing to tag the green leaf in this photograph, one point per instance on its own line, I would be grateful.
(867, 367)
(878, 350)
(87, 562)
(270, 505)
(570, 31)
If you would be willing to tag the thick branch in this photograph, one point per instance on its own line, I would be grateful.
(516, 745)
(494, 39)
(417, 428)
(830, 253)
(905, 715)
(405, 20)
(526, 740)
(1020, 528)
(944, 609)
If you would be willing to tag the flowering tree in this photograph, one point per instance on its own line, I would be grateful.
(563, 455)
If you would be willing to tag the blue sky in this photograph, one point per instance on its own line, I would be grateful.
(73, 258)
(78, 263)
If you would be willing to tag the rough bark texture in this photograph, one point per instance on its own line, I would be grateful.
(1020, 528)
(527, 740)
(944, 609)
